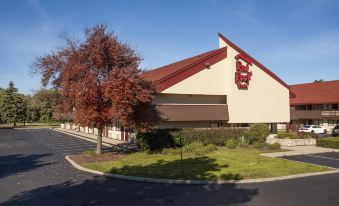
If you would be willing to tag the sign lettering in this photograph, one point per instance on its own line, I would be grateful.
(243, 74)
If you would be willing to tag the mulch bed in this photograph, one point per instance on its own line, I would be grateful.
(105, 157)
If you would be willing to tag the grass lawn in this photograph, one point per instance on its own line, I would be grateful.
(31, 125)
(223, 164)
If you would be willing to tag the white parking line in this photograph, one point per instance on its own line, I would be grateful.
(330, 158)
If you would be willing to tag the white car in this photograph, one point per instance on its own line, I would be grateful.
(313, 128)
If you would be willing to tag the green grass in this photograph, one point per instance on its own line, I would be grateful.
(31, 125)
(223, 164)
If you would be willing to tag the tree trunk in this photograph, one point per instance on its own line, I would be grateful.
(99, 142)
(14, 123)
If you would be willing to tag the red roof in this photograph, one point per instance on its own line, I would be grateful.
(315, 93)
(171, 74)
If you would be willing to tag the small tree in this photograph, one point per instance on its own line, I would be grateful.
(99, 80)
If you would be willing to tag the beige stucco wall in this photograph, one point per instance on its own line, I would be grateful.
(265, 101)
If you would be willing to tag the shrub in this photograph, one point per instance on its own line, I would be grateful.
(192, 147)
(329, 142)
(232, 143)
(205, 150)
(286, 135)
(298, 135)
(260, 145)
(156, 140)
(307, 135)
(217, 137)
(243, 144)
(257, 133)
(275, 146)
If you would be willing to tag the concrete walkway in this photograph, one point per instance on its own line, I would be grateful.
(300, 150)
(105, 140)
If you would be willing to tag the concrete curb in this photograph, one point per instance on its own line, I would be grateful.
(218, 182)
(81, 137)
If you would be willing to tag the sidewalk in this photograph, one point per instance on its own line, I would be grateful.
(300, 150)
(105, 140)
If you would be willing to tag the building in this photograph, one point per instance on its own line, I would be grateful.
(225, 87)
(315, 103)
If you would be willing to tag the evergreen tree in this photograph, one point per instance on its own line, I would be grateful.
(1, 97)
(13, 105)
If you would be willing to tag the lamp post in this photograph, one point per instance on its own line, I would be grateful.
(181, 163)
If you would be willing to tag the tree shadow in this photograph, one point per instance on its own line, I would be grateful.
(110, 191)
(193, 168)
(18, 163)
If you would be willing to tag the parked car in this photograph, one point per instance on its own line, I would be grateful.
(335, 131)
(313, 128)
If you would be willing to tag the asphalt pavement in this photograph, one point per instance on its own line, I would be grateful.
(33, 171)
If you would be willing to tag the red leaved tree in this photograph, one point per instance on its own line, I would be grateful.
(99, 80)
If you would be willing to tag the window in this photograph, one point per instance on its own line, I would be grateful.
(110, 126)
(300, 107)
(335, 106)
(332, 122)
(318, 121)
(214, 125)
(117, 126)
(317, 107)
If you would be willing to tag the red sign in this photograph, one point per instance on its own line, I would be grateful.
(242, 74)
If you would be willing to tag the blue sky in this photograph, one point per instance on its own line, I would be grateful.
(297, 39)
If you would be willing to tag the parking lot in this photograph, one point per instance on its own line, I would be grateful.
(65, 144)
(329, 159)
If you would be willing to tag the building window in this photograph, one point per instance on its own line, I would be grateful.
(332, 122)
(335, 106)
(214, 124)
(110, 126)
(318, 122)
(300, 107)
(117, 126)
(318, 107)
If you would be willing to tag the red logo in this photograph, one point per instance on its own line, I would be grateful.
(242, 74)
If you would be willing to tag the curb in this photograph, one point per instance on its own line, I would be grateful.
(197, 182)
(82, 137)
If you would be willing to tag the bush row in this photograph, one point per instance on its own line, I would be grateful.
(298, 135)
(330, 142)
(160, 139)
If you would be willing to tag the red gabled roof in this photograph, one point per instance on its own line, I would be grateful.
(316, 93)
(171, 74)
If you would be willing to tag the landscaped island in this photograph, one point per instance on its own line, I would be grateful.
(222, 164)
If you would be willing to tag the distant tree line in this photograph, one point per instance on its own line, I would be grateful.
(38, 107)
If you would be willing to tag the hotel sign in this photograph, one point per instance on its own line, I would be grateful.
(243, 74)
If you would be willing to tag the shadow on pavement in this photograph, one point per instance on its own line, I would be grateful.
(18, 163)
(109, 191)
(193, 168)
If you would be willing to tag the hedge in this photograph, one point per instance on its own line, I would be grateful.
(164, 138)
(298, 135)
(329, 142)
